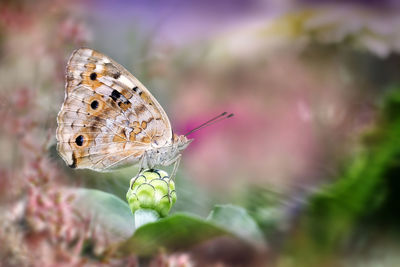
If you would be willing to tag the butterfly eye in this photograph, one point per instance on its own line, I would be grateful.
(94, 104)
(93, 76)
(79, 140)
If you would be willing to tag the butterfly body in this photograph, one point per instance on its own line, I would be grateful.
(109, 119)
(165, 155)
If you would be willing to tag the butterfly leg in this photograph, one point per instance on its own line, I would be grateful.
(176, 160)
(141, 164)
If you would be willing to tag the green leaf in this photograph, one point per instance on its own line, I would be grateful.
(180, 231)
(106, 209)
(177, 231)
(237, 221)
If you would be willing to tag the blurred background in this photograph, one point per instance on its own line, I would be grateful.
(313, 150)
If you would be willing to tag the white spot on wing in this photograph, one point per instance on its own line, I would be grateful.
(106, 81)
(104, 90)
(99, 68)
(125, 81)
(109, 123)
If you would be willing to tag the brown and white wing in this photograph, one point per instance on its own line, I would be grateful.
(108, 117)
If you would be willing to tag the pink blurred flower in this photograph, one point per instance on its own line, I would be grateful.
(172, 260)
(74, 32)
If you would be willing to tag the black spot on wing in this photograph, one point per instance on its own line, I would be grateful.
(115, 95)
(93, 76)
(94, 104)
(79, 140)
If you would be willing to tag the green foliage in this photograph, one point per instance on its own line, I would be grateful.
(267, 209)
(178, 231)
(237, 221)
(105, 209)
(363, 196)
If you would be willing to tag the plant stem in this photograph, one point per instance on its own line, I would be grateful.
(144, 216)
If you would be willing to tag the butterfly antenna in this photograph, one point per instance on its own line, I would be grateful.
(216, 119)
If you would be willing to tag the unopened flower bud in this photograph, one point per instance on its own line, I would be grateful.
(152, 189)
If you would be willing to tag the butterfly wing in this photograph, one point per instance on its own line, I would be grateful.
(108, 117)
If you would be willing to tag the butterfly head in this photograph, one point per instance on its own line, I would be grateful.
(181, 141)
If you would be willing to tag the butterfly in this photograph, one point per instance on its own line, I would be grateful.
(109, 119)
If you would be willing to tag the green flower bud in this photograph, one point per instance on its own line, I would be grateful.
(152, 190)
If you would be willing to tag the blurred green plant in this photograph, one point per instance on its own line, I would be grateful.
(362, 198)
(267, 209)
